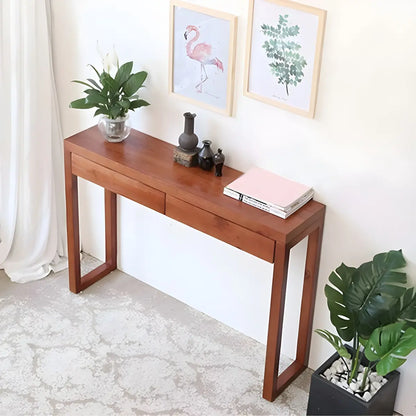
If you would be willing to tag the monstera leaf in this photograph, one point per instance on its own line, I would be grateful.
(341, 317)
(335, 341)
(407, 311)
(375, 290)
(389, 345)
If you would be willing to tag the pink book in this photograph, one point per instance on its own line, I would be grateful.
(269, 188)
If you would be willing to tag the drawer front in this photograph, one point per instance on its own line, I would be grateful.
(118, 183)
(220, 228)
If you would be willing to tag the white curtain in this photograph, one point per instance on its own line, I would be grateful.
(32, 212)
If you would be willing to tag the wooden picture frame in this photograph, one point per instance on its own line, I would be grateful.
(202, 56)
(284, 52)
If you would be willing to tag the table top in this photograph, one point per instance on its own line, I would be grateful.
(150, 161)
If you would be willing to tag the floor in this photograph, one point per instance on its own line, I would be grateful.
(123, 348)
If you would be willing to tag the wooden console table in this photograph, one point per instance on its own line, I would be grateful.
(142, 169)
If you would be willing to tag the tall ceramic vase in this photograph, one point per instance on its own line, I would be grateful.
(188, 140)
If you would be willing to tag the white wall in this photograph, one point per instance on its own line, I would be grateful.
(358, 153)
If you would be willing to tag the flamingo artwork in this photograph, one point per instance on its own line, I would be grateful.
(201, 52)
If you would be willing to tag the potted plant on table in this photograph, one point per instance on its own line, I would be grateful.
(113, 96)
(372, 307)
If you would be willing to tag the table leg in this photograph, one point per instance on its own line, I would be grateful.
(277, 306)
(72, 221)
(110, 264)
(110, 229)
(275, 383)
(308, 295)
(76, 282)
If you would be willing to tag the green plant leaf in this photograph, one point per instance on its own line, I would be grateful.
(94, 83)
(134, 82)
(363, 341)
(109, 82)
(407, 310)
(335, 341)
(94, 97)
(84, 83)
(116, 111)
(341, 317)
(389, 345)
(95, 70)
(101, 111)
(125, 104)
(123, 73)
(138, 103)
(81, 104)
(375, 289)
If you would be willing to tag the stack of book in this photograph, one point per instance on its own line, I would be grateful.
(270, 192)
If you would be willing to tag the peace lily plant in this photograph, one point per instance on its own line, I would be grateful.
(113, 96)
(372, 307)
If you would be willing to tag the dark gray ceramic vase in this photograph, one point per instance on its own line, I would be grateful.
(206, 156)
(188, 140)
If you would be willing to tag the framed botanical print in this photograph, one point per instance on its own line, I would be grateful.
(284, 54)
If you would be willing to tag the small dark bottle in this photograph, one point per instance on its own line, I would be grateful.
(219, 162)
(206, 156)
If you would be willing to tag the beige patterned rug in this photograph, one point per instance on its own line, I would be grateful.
(124, 348)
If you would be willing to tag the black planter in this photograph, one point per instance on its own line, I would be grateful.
(326, 398)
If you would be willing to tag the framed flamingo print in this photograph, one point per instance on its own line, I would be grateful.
(284, 54)
(202, 55)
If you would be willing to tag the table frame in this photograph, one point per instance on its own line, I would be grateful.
(142, 169)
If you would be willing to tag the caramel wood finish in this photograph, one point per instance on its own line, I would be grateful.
(220, 228)
(110, 205)
(142, 169)
(118, 183)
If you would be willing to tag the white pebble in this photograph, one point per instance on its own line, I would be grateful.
(373, 377)
(376, 385)
(367, 396)
(353, 386)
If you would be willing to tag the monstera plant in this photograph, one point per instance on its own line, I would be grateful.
(372, 307)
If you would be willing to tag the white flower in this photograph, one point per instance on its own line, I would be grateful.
(109, 60)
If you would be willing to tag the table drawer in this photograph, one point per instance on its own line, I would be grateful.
(118, 183)
(220, 228)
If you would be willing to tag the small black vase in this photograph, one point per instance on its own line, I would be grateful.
(206, 156)
(188, 140)
(219, 159)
